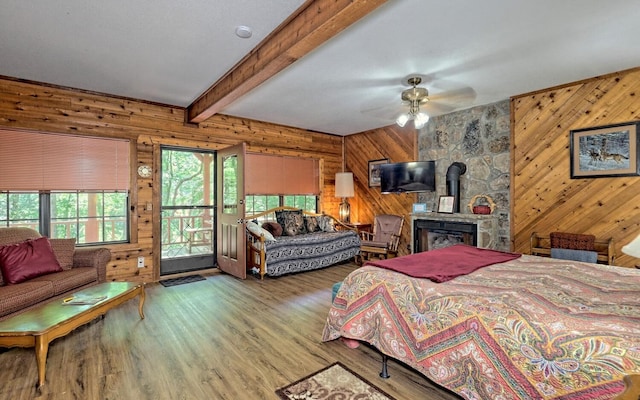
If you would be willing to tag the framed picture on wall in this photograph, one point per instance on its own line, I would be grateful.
(374, 171)
(445, 204)
(605, 151)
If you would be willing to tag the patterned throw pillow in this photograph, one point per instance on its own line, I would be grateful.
(312, 224)
(292, 222)
(326, 224)
(280, 219)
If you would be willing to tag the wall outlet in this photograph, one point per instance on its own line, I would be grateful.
(140, 262)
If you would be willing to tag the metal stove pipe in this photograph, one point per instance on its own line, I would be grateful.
(453, 183)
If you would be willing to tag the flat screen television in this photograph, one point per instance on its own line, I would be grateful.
(415, 176)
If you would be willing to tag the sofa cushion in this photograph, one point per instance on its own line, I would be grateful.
(69, 279)
(63, 249)
(23, 261)
(17, 234)
(18, 297)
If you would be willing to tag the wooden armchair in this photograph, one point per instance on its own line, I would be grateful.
(384, 240)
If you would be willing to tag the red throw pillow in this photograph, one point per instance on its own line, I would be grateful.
(26, 260)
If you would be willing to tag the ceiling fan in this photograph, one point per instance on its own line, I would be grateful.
(415, 97)
(418, 104)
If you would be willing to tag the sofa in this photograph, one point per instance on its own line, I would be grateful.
(35, 269)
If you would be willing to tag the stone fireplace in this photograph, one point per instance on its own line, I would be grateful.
(431, 231)
(479, 137)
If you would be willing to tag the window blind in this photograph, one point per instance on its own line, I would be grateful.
(47, 161)
(276, 175)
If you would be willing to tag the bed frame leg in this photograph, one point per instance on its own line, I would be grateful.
(384, 374)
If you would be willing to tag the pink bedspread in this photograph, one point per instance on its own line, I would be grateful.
(529, 328)
(444, 264)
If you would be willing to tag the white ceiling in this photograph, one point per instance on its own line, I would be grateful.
(171, 51)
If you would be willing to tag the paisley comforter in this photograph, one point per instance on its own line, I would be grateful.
(530, 328)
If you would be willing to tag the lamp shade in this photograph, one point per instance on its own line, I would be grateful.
(344, 184)
(632, 248)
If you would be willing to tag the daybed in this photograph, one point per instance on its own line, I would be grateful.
(285, 240)
(529, 327)
(30, 275)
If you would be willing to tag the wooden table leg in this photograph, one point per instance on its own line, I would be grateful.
(141, 302)
(632, 388)
(42, 348)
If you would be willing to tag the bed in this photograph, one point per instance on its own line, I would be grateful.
(312, 248)
(526, 328)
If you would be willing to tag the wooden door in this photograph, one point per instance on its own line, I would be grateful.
(231, 235)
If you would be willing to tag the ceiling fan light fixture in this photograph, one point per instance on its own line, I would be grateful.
(402, 120)
(415, 96)
(420, 120)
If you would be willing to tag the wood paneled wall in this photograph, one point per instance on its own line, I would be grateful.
(544, 198)
(398, 145)
(44, 108)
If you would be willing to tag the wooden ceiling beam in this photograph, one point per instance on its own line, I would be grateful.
(309, 27)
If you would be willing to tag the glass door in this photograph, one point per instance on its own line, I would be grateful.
(187, 210)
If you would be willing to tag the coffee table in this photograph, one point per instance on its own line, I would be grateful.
(41, 325)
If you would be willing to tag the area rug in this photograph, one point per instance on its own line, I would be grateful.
(333, 382)
(182, 280)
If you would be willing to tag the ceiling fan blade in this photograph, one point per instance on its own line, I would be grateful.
(456, 98)
(434, 109)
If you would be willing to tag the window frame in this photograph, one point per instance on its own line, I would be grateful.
(249, 200)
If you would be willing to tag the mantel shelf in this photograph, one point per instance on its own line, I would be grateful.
(454, 217)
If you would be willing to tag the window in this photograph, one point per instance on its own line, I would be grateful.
(90, 217)
(308, 203)
(258, 203)
(66, 186)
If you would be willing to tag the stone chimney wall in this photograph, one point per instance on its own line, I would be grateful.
(478, 137)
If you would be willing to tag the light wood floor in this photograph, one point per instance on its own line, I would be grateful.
(222, 338)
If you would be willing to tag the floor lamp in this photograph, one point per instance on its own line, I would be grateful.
(632, 248)
(344, 189)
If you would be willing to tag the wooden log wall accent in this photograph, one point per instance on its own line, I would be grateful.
(398, 145)
(47, 108)
(545, 199)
